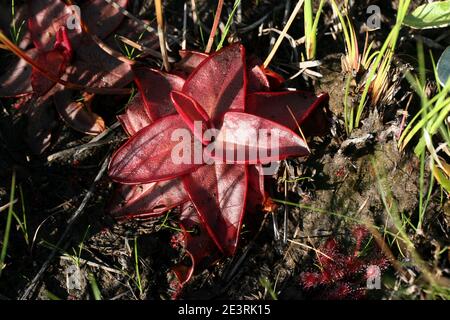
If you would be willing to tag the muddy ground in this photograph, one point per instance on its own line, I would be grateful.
(341, 190)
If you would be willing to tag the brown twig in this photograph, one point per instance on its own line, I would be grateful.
(386, 250)
(214, 27)
(145, 50)
(161, 34)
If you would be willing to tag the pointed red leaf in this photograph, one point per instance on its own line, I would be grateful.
(192, 113)
(256, 192)
(218, 84)
(257, 79)
(63, 43)
(94, 67)
(46, 18)
(101, 17)
(148, 155)
(155, 87)
(147, 200)
(249, 139)
(190, 60)
(54, 61)
(218, 192)
(135, 117)
(197, 243)
(304, 105)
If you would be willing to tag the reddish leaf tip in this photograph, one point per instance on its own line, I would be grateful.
(192, 114)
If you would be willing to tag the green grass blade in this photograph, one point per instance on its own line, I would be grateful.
(8, 223)
(94, 287)
(228, 24)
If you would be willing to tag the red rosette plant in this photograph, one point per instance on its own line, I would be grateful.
(173, 114)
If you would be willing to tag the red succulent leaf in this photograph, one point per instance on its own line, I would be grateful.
(90, 74)
(248, 139)
(304, 105)
(197, 243)
(54, 61)
(147, 156)
(155, 87)
(256, 193)
(63, 43)
(101, 17)
(93, 67)
(219, 194)
(78, 114)
(257, 79)
(135, 117)
(147, 200)
(191, 112)
(190, 60)
(218, 84)
(46, 18)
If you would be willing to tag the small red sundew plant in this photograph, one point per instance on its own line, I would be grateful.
(342, 275)
(224, 92)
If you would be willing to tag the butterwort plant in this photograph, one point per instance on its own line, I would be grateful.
(220, 106)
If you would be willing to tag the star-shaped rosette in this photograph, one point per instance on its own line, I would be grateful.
(173, 114)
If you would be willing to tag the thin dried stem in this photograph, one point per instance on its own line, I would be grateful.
(305, 246)
(129, 15)
(145, 50)
(184, 41)
(214, 27)
(194, 12)
(386, 250)
(161, 34)
(283, 33)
